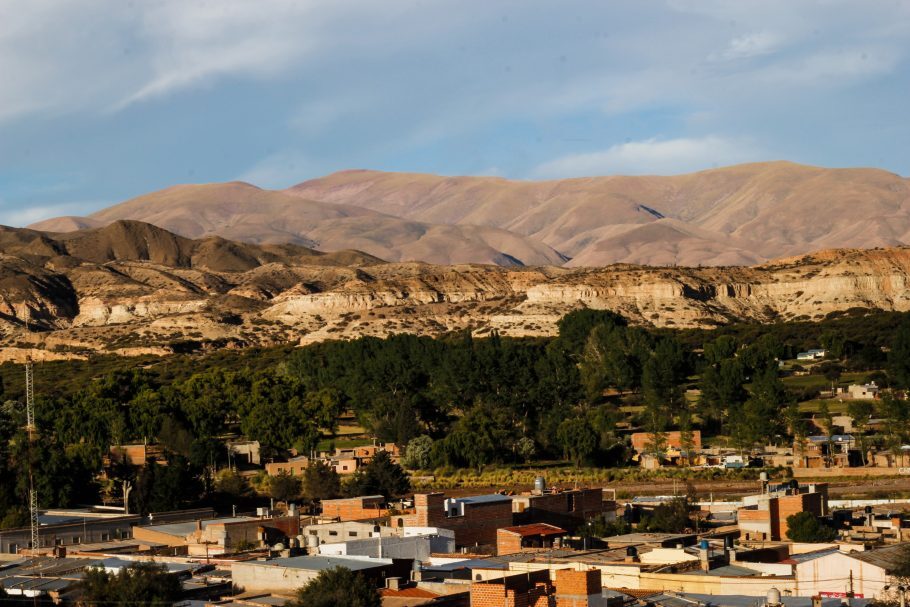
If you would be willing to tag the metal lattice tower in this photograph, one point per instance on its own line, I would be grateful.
(30, 428)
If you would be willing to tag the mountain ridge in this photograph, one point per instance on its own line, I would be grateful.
(738, 215)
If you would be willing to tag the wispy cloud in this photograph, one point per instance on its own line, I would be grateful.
(651, 156)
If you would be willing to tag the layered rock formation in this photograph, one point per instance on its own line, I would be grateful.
(132, 288)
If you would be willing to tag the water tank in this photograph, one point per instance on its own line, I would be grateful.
(312, 541)
(632, 551)
(278, 547)
(773, 597)
(704, 544)
(540, 483)
(763, 477)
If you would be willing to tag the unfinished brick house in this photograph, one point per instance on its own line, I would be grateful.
(567, 508)
(510, 540)
(764, 516)
(473, 519)
(567, 588)
(365, 507)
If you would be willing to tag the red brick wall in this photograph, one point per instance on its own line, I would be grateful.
(353, 509)
(507, 542)
(574, 587)
(478, 526)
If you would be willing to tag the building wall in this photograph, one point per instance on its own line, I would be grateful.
(507, 542)
(566, 509)
(831, 573)
(354, 509)
(478, 526)
(577, 588)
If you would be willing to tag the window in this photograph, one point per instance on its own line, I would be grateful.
(77, 540)
(333, 533)
(352, 534)
(313, 532)
(58, 541)
(105, 536)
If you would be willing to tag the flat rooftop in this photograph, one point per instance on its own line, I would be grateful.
(321, 563)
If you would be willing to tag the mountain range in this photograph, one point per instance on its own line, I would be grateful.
(739, 215)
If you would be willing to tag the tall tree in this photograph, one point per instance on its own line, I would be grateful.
(338, 587)
(139, 585)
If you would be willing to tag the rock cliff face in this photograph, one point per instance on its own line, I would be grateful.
(159, 294)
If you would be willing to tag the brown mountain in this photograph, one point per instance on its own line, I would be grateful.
(735, 215)
(243, 212)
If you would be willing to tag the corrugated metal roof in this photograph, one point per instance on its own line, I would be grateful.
(320, 563)
(888, 558)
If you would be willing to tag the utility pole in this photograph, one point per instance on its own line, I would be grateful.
(31, 430)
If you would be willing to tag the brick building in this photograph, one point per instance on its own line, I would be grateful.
(640, 440)
(563, 508)
(764, 516)
(360, 508)
(510, 540)
(564, 588)
(473, 519)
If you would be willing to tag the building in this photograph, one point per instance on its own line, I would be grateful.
(244, 452)
(344, 461)
(289, 574)
(566, 508)
(640, 440)
(562, 588)
(831, 573)
(218, 536)
(764, 516)
(868, 391)
(361, 508)
(813, 354)
(474, 519)
(836, 451)
(73, 528)
(528, 537)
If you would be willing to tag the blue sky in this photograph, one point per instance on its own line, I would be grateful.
(104, 100)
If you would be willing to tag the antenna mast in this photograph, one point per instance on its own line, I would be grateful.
(30, 428)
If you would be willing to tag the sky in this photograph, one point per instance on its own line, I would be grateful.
(103, 100)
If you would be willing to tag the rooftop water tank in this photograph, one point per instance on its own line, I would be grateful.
(773, 597)
(540, 483)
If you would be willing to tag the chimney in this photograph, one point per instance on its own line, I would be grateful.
(393, 583)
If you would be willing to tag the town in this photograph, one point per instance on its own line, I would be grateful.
(747, 520)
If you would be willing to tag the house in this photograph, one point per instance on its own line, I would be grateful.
(244, 452)
(217, 536)
(474, 519)
(640, 440)
(830, 573)
(361, 508)
(764, 516)
(289, 574)
(344, 461)
(564, 587)
(523, 537)
(868, 391)
(813, 354)
(836, 451)
(566, 508)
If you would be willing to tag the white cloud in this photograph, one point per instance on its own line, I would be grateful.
(652, 156)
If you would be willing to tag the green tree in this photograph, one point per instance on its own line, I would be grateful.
(321, 482)
(381, 476)
(419, 452)
(526, 448)
(758, 419)
(860, 412)
(670, 517)
(899, 357)
(805, 527)
(284, 487)
(338, 587)
(722, 390)
(577, 438)
(140, 584)
(834, 342)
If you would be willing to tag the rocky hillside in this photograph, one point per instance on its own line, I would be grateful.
(739, 215)
(131, 288)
